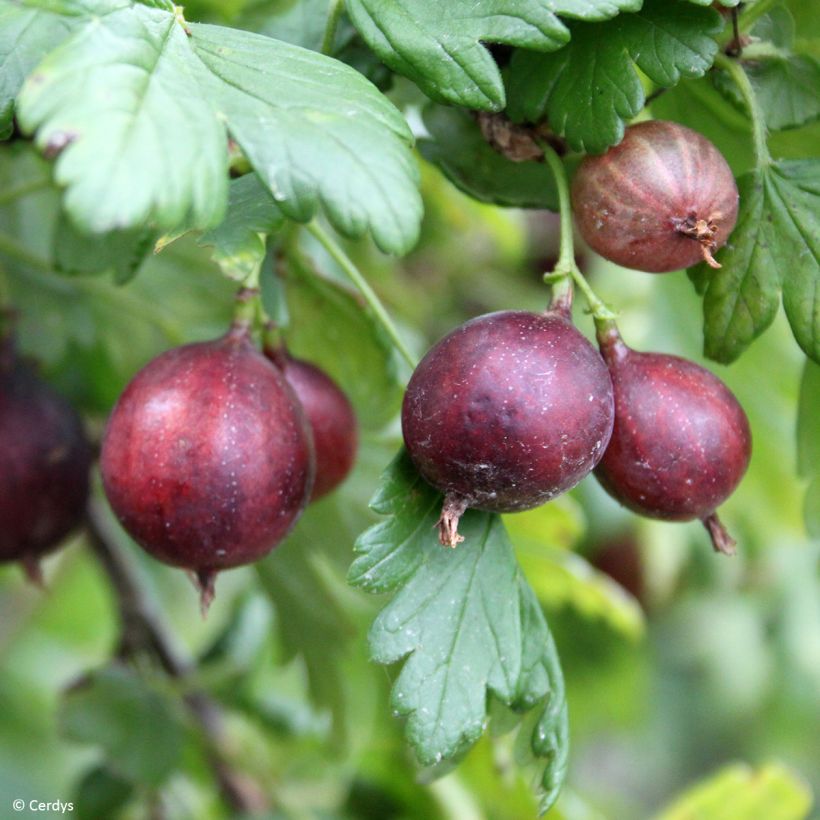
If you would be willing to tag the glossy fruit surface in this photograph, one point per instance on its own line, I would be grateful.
(44, 464)
(207, 459)
(331, 417)
(681, 441)
(508, 411)
(661, 200)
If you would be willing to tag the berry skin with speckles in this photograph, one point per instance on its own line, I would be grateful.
(663, 199)
(331, 417)
(681, 441)
(506, 412)
(44, 464)
(207, 459)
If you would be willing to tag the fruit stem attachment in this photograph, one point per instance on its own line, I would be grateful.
(245, 310)
(566, 266)
(721, 540)
(453, 508)
(369, 295)
(744, 85)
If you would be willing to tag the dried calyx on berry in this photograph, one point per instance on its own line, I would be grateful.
(681, 441)
(663, 199)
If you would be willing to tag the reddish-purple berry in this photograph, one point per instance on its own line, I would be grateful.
(44, 464)
(661, 200)
(681, 441)
(331, 417)
(506, 412)
(207, 459)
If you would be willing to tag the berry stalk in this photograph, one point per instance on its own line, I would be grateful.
(565, 267)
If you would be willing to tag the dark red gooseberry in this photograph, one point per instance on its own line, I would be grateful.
(44, 464)
(506, 412)
(207, 458)
(661, 200)
(331, 417)
(681, 441)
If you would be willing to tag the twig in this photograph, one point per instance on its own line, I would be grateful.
(143, 631)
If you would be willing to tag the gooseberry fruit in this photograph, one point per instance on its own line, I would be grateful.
(331, 417)
(506, 412)
(44, 464)
(207, 459)
(661, 200)
(681, 441)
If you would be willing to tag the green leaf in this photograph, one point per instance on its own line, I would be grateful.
(26, 36)
(464, 621)
(238, 243)
(666, 40)
(739, 792)
(160, 155)
(332, 327)
(120, 252)
(137, 727)
(101, 794)
(562, 578)
(788, 90)
(776, 240)
(316, 132)
(312, 619)
(458, 148)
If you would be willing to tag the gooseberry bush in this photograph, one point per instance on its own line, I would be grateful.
(229, 232)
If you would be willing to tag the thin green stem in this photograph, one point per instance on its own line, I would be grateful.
(741, 80)
(566, 265)
(369, 295)
(333, 16)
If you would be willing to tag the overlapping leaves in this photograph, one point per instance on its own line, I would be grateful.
(316, 132)
(589, 88)
(464, 621)
(775, 247)
(440, 45)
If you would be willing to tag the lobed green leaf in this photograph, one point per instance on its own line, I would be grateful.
(464, 621)
(589, 88)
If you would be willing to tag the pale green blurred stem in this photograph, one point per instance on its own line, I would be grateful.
(26, 188)
(333, 15)
(369, 295)
(750, 15)
(566, 267)
(744, 85)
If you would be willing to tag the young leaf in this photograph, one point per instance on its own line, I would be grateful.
(666, 40)
(778, 221)
(138, 728)
(237, 245)
(464, 156)
(26, 36)
(159, 157)
(316, 132)
(742, 793)
(464, 621)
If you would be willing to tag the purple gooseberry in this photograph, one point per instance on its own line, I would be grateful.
(506, 412)
(663, 199)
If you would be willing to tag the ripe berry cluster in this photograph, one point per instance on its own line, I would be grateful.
(513, 408)
(215, 448)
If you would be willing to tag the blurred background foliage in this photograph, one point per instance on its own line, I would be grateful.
(681, 667)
